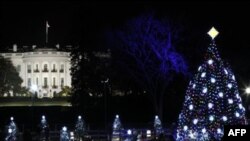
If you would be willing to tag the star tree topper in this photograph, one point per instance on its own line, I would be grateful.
(212, 33)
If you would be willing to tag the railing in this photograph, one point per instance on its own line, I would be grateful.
(36, 70)
(54, 70)
(61, 70)
(45, 70)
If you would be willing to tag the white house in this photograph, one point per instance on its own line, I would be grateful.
(43, 70)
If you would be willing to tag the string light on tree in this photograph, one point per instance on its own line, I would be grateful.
(212, 99)
(213, 80)
(211, 118)
(210, 61)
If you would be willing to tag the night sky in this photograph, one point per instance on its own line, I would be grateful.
(85, 23)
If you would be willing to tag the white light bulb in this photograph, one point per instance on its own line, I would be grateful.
(240, 106)
(117, 116)
(64, 128)
(229, 85)
(191, 107)
(211, 118)
(199, 68)
(225, 71)
(129, 132)
(220, 94)
(212, 80)
(210, 61)
(233, 77)
(237, 114)
(193, 86)
(203, 130)
(230, 101)
(204, 90)
(210, 105)
(224, 118)
(237, 96)
(185, 128)
(218, 130)
(195, 121)
(203, 74)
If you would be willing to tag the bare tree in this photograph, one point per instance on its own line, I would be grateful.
(148, 44)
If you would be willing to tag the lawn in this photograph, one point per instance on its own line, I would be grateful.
(23, 101)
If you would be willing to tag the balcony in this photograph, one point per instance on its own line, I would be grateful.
(61, 70)
(54, 70)
(36, 70)
(45, 70)
(54, 87)
(45, 86)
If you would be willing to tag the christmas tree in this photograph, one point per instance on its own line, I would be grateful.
(212, 100)
(12, 131)
(157, 126)
(44, 129)
(80, 127)
(64, 135)
(117, 127)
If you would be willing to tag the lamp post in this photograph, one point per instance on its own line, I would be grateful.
(105, 82)
(247, 92)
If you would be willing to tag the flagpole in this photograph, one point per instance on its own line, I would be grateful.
(47, 30)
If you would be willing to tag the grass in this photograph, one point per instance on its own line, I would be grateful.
(14, 102)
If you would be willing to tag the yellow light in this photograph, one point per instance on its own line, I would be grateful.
(213, 33)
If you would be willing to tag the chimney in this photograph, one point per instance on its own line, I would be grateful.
(14, 48)
(57, 46)
(33, 46)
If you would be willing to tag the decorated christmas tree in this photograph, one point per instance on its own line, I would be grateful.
(157, 126)
(64, 135)
(12, 131)
(80, 127)
(44, 129)
(117, 127)
(212, 100)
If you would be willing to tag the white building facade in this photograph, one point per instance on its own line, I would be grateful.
(45, 71)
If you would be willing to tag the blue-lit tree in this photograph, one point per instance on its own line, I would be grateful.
(64, 134)
(148, 45)
(44, 129)
(12, 131)
(212, 100)
(157, 126)
(117, 128)
(80, 128)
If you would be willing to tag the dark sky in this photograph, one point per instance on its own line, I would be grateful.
(84, 23)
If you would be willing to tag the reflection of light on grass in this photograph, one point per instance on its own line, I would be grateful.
(24, 103)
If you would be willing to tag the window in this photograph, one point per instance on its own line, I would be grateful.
(45, 68)
(29, 82)
(54, 68)
(54, 83)
(36, 68)
(62, 82)
(29, 68)
(37, 81)
(45, 82)
(62, 68)
(18, 68)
